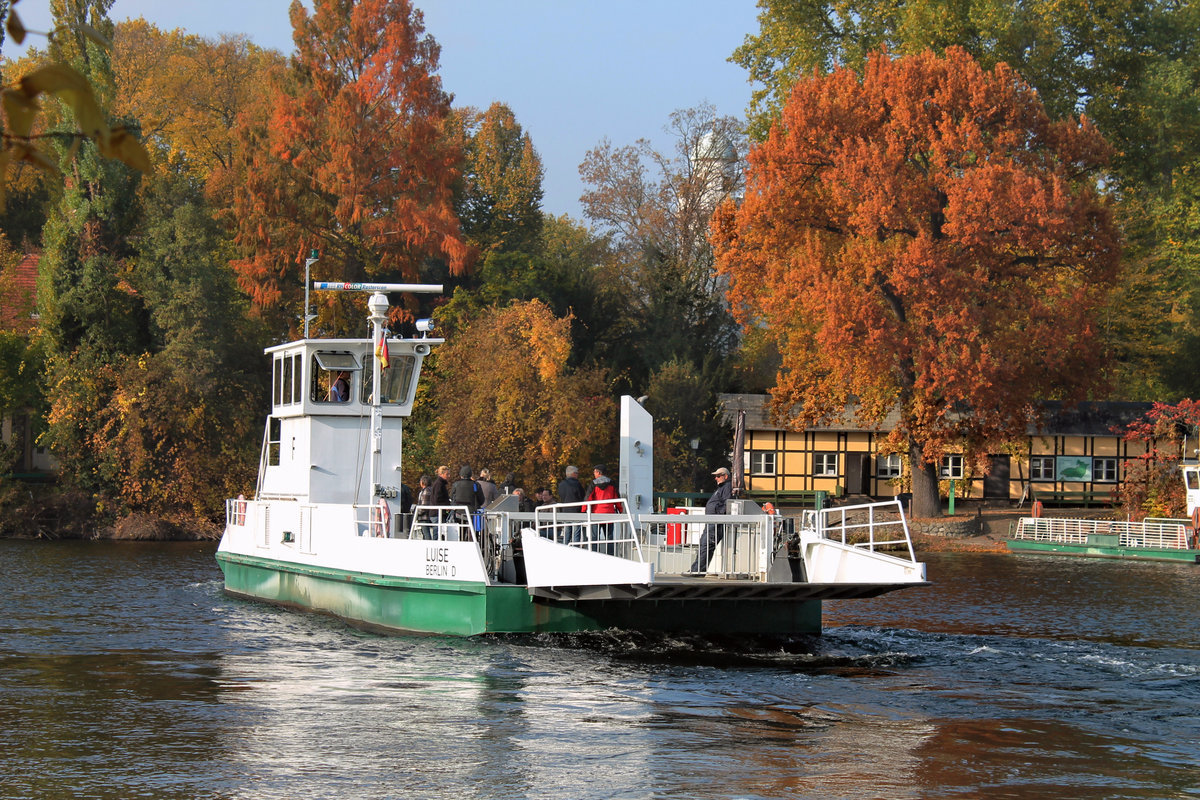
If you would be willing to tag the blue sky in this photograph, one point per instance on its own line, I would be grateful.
(573, 71)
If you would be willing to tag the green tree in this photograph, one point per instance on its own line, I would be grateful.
(500, 203)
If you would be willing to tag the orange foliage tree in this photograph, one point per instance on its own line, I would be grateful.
(922, 239)
(356, 160)
(509, 402)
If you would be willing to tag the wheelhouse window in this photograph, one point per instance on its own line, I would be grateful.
(287, 370)
(1104, 470)
(762, 463)
(1041, 468)
(825, 465)
(333, 375)
(274, 432)
(395, 381)
(889, 466)
(952, 467)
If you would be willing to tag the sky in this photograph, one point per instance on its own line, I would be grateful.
(573, 71)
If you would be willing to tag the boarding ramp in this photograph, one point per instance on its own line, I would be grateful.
(575, 545)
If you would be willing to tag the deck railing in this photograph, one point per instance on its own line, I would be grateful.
(745, 551)
(871, 526)
(580, 525)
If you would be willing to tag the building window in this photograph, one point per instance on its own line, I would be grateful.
(1041, 468)
(825, 465)
(1104, 469)
(952, 467)
(762, 463)
(889, 466)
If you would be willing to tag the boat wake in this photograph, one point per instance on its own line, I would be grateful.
(803, 653)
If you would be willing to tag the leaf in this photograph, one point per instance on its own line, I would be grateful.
(124, 146)
(74, 90)
(23, 152)
(16, 31)
(95, 35)
(21, 111)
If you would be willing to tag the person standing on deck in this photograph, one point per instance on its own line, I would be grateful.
(490, 492)
(603, 489)
(570, 490)
(713, 533)
(441, 486)
(466, 492)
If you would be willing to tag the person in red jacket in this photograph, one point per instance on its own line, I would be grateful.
(602, 489)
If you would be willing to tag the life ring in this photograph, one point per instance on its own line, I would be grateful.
(381, 517)
(1196, 518)
(1037, 509)
(239, 510)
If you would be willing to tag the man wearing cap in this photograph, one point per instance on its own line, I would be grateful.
(713, 533)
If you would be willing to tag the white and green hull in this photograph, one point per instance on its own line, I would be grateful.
(467, 608)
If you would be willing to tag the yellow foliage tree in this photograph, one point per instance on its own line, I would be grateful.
(505, 398)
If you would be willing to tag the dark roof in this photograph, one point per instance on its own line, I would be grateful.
(1093, 419)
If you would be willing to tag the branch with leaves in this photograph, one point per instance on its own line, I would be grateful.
(22, 107)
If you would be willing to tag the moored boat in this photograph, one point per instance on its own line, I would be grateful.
(323, 531)
(1149, 539)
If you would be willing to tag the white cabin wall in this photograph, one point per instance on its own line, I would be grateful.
(636, 480)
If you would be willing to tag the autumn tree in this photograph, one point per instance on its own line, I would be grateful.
(511, 402)
(356, 161)
(1130, 66)
(1153, 485)
(922, 240)
(188, 93)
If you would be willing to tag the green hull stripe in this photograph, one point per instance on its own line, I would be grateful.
(1142, 553)
(467, 608)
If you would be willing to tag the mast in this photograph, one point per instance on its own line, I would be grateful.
(377, 304)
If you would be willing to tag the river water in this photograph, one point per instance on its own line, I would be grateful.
(126, 673)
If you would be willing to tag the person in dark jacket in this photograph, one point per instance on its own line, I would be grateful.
(441, 487)
(466, 492)
(570, 490)
(713, 533)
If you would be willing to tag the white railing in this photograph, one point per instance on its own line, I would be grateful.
(1150, 534)
(870, 526)
(745, 550)
(442, 523)
(613, 534)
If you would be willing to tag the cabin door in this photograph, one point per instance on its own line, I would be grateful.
(995, 483)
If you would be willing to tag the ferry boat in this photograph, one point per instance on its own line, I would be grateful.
(322, 531)
(1150, 539)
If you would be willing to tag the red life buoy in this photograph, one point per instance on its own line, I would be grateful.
(1196, 518)
(239, 514)
(1037, 509)
(381, 516)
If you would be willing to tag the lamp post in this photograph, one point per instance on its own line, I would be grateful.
(695, 443)
(308, 262)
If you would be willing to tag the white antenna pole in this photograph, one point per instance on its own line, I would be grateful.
(308, 262)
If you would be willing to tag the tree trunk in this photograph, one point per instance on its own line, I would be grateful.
(925, 503)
